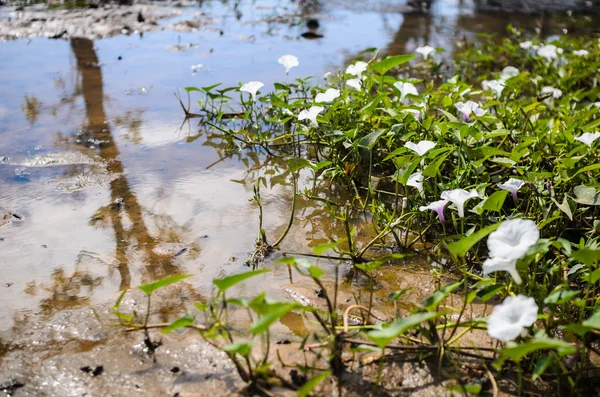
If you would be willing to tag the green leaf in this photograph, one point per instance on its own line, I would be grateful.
(517, 352)
(472, 388)
(382, 67)
(225, 283)
(209, 88)
(191, 89)
(560, 297)
(276, 311)
(149, 288)
(296, 163)
(461, 247)
(118, 303)
(541, 365)
(383, 336)
(305, 390)
(586, 195)
(322, 248)
(241, 348)
(430, 304)
(586, 256)
(179, 323)
(495, 202)
(368, 141)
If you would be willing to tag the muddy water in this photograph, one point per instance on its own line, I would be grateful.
(103, 188)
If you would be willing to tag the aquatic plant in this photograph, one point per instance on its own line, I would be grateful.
(385, 134)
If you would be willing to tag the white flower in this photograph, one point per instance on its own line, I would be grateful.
(252, 87)
(406, 89)
(357, 69)
(459, 197)
(416, 180)
(508, 243)
(437, 206)
(311, 114)
(469, 108)
(549, 51)
(512, 185)
(425, 51)
(581, 53)
(354, 83)
(420, 148)
(588, 138)
(288, 62)
(556, 93)
(510, 319)
(525, 45)
(597, 104)
(496, 86)
(327, 75)
(508, 72)
(287, 112)
(328, 96)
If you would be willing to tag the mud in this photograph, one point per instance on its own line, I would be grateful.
(86, 23)
(73, 354)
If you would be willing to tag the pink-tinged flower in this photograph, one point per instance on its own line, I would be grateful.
(420, 148)
(357, 69)
(525, 45)
(354, 83)
(510, 319)
(459, 197)
(588, 138)
(437, 206)
(425, 51)
(468, 108)
(252, 88)
(556, 93)
(496, 86)
(512, 185)
(406, 89)
(549, 51)
(509, 243)
(288, 62)
(311, 114)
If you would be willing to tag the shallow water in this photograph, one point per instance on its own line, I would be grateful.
(114, 191)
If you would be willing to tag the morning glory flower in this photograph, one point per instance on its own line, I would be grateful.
(508, 243)
(549, 51)
(327, 75)
(459, 197)
(469, 108)
(416, 181)
(354, 83)
(252, 87)
(420, 148)
(512, 185)
(581, 53)
(357, 69)
(328, 96)
(405, 89)
(437, 206)
(510, 319)
(288, 62)
(588, 138)
(311, 114)
(525, 45)
(425, 51)
(556, 93)
(508, 72)
(496, 86)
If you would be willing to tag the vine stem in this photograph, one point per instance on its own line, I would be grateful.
(289, 225)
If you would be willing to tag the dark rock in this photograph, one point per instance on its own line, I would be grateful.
(311, 35)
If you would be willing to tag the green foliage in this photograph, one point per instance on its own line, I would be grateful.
(149, 288)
